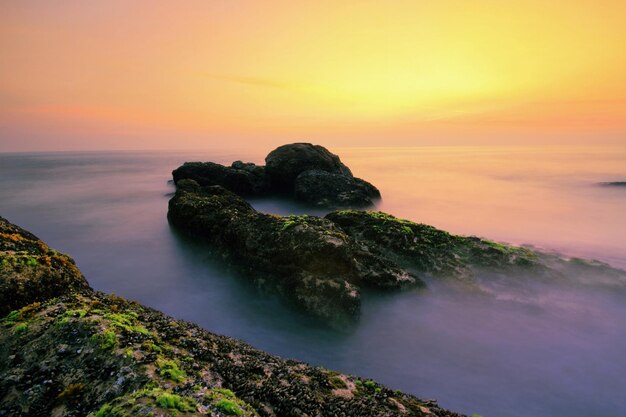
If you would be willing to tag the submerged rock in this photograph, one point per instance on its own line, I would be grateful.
(84, 353)
(309, 173)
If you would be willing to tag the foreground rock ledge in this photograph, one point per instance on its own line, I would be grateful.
(71, 351)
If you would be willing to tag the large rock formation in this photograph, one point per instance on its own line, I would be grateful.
(307, 259)
(309, 173)
(321, 264)
(66, 350)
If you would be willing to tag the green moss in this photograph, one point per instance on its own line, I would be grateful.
(106, 340)
(228, 407)
(13, 317)
(225, 392)
(227, 403)
(369, 384)
(170, 370)
(127, 322)
(152, 347)
(104, 411)
(173, 401)
(20, 328)
(30, 261)
(337, 382)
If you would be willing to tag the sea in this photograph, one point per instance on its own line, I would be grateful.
(520, 348)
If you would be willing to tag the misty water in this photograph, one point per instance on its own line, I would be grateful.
(521, 348)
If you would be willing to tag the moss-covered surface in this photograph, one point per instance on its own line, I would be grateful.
(307, 259)
(87, 353)
(31, 271)
(428, 249)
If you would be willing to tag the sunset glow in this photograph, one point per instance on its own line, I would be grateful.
(162, 75)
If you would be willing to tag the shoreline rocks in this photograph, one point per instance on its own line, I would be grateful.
(320, 265)
(79, 352)
(308, 173)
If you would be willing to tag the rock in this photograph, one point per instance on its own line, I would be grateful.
(84, 353)
(323, 180)
(245, 179)
(426, 249)
(325, 189)
(285, 163)
(307, 259)
(614, 183)
(32, 272)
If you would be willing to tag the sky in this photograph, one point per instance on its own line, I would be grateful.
(99, 75)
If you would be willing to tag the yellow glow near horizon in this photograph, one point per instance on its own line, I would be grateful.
(354, 72)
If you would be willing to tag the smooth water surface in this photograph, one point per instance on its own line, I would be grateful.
(525, 350)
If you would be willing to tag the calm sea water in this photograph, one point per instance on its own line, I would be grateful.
(524, 350)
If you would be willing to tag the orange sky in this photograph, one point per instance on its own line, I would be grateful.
(199, 74)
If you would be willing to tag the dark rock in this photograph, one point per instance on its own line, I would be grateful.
(325, 189)
(245, 179)
(285, 163)
(309, 173)
(427, 249)
(88, 353)
(614, 183)
(423, 249)
(307, 259)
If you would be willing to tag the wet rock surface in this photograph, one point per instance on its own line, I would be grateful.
(87, 353)
(309, 173)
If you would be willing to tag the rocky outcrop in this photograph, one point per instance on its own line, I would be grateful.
(245, 179)
(286, 162)
(321, 264)
(83, 353)
(307, 259)
(308, 173)
(31, 271)
(428, 250)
